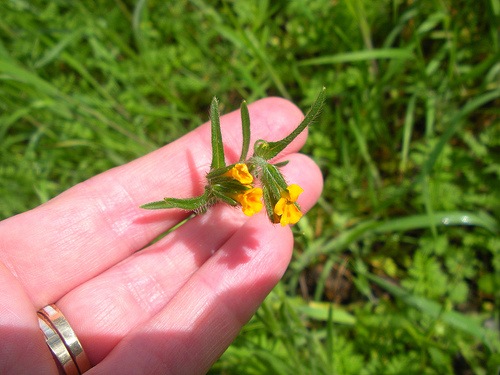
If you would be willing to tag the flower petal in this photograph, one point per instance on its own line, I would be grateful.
(251, 201)
(294, 214)
(240, 172)
(279, 209)
(286, 208)
(294, 192)
(291, 215)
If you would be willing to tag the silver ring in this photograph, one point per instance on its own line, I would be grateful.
(62, 341)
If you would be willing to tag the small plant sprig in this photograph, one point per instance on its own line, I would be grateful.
(236, 185)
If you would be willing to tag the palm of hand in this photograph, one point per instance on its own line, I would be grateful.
(174, 306)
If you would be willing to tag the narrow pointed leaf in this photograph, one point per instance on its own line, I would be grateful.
(217, 146)
(185, 204)
(156, 205)
(281, 164)
(245, 125)
(269, 150)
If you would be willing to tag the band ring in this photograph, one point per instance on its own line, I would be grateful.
(62, 341)
(58, 348)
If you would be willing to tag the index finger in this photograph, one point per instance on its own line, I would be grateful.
(97, 223)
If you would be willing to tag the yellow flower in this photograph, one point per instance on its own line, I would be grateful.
(251, 201)
(286, 208)
(240, 172)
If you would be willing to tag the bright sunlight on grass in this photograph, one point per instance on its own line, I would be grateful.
(397, 269)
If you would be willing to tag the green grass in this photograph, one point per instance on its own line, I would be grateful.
(397, 269)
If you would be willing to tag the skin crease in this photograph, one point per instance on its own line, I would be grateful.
(175, 306)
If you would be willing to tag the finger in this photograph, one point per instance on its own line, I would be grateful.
(105, 309)
(204, 317)
(23, 349)
(97, 223)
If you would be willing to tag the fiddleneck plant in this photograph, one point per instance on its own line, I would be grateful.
(236, 185)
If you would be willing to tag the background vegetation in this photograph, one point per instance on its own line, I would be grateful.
(397, 269)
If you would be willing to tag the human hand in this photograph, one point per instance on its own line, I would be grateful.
(176, 305)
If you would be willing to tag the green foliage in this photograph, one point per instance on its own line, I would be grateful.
(218, 159)
(396, 270)
(269, 150)
(228, 188)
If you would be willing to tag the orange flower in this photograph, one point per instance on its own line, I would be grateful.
(286, 209)
(240, 173)
(251, 201)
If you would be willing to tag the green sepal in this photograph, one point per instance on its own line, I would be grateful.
(268, 173)
(268, 203)
(274, 179)
(191, 204)
(218, 160)
(273, 183)
(225, 198)
(231, 188)
(269, 150)
(281, 164)
(223, 180)
(219, 171)
(245, 125)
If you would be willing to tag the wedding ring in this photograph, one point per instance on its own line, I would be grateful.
(62, 340)
(58, 348)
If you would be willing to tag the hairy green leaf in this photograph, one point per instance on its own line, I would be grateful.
(185, 204)
(218, 160)
(269, 150)
(245, 126)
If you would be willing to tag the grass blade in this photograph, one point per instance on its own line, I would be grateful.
(407, 132)
(438, 311)
(366, 55)
(412, 222)
(456, 122)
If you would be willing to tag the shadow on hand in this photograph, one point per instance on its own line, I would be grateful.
(193, 186)
(205, 234)
(182, 339)
(188, 339)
